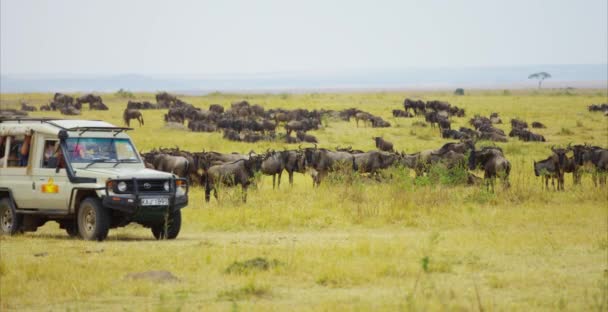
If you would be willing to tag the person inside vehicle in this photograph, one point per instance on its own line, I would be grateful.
(49, 151)
(24, 150)
(56, 160)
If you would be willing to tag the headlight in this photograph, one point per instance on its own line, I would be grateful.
(122, 186)
(166, 186)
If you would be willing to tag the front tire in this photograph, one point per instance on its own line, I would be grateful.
(10, 221)
(93, 220)
(171, 230)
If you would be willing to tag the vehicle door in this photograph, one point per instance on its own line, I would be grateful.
(51, 185)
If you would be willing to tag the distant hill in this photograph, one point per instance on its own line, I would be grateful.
(579, 76)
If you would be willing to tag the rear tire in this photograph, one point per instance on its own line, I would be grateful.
(172, 229)
(10, 221)
(93, 220)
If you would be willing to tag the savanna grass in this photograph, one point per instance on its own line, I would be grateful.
(391, 242)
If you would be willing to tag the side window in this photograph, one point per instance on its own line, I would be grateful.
(49, 154)
(15, 158)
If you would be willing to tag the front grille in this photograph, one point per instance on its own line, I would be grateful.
(146, 186)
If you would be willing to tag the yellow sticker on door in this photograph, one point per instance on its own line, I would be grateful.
(50, 187)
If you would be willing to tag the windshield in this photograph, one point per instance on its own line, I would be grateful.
(87, 150)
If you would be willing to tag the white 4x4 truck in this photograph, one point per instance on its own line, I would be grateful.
(87, 176)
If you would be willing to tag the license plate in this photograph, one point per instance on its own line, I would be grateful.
(160, 201)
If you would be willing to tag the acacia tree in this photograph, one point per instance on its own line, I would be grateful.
(540, 76)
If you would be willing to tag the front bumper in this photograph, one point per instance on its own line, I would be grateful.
(131, 203)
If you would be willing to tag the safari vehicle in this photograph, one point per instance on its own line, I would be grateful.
(87, 176)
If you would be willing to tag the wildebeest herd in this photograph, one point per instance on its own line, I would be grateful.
(247, 122)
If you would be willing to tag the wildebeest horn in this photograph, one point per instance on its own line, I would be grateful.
(315, 145)
(553, 148)
(300, 146)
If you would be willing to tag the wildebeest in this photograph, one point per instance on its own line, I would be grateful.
(536, 124)
(416, 105)
(301, 125)
(165, 100)
(372, 161)
(518, 123)
(27, 108)
(240, 172)
(546, 168)
(273, 164)
(178, 165)
(453, 134)
(61, 100)
(324, 161)
(90, 99)
(383, 145)
(129, 114)
(216, 108)
(304, 137)
(592, 158)
(559, 159)
(402, 113)
(45, 107)
(494, 164)
(363, 116)
(378, 122)
(69, 110)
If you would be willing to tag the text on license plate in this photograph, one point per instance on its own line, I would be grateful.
(160, 201)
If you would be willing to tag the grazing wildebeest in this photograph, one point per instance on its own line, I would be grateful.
(129, 114)
(61, 100)
(27, 108)
(536, 124)
(324, 161)
(98, 106)
(444, 123)
(178, 165)
(363, 116)
(592, 158)
(372, 161)
(494, 164)
(461, 147)
(70, 110)
(453, 134)
(546, 168)
(378, 122)
(90, 99)
(301, 125)
(239, 172)
(304, 137)
(402, 113)
(383, 145)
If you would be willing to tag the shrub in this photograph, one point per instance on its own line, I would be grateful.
(459, 91)
(122, 93)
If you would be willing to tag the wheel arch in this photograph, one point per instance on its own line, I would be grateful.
(6, 192)
(77, 196)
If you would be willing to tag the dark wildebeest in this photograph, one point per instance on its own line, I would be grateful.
(165, 100)
(324, 161)
(304, 137)
(90, 99)
(98, 106)
(216, 108)
(592, 158)
(301, 125)
(363, 116)
(494, 164)
(378, 122)
(273, 164)
(536, 124)
(383, 145)
(294, 162)
(559, 160)
(402, 113)
(372, 161)
(27, 108)
(239, 172)
(453, 134)
(461, 147)
(178, 165)
(129, 114)
(61, 100)
(70, 110)
(546, 168)
(518, 123)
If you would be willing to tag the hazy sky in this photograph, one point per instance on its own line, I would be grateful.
(224, 36)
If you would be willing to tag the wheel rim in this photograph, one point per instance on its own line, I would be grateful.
(89, 220)
(6, 219)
